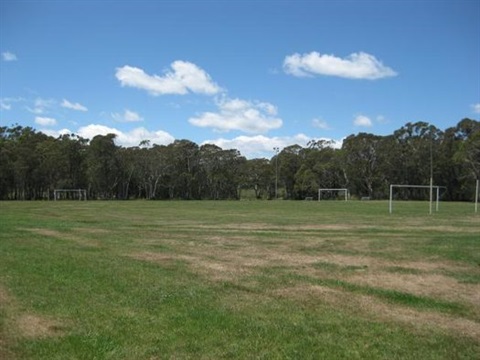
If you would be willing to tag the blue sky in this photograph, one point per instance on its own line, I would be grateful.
(250, 75)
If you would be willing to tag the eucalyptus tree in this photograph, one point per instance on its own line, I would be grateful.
(158, 168)
(220, 172)
(24, 156)
(48, 174)
(103, 167)
(31, 163)
(144, 168)
(258, 175)
(470, 153)
(361, 158)
(467, 155)
(468, 133)
(73, 149)
(326, 163)
(183, 160)
(7, 182)
(209, 174)
(306, 184)
(129, 179)
(233, 164)
(417, 144)
(289, 162)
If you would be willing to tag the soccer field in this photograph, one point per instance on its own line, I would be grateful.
(239, 279)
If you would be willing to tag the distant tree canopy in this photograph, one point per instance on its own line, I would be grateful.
(33, 164)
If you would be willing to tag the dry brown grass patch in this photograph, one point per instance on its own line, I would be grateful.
(216, 269)
(280, 228)
(450, 229)
(221, 258)
(237, 226)
(82, 241)
(327, 227)
(91, 230)
(431, 285)
(379, 263)
(46, 232)
(374, 273)
(375, 309)
(152, 256)
(19, 324)
(35, 326)
(4, 296)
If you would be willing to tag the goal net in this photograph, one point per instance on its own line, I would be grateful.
(332, 193)
(434, 189)
(69, 194)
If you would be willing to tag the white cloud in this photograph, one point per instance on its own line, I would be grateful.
(8, 56)
(320, 124)
(4, 105)
(41, 106)
(127, 139)
(185, 77)
(362, 120)
(355, 66)
(237, 114)
(127, 116)
(55, 133)
(476, 108)
(73, 106)
(37, 111)
(261, 146)
(45, 121)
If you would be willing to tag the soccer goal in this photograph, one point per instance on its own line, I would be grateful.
(336, 190)
(433, 187)
(69, 194)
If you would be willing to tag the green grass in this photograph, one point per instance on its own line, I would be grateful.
(247, 279)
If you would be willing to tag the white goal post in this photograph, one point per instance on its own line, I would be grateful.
(390, 203)
(81, 193)
(336, 189)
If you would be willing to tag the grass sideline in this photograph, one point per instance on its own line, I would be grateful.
(239, 279)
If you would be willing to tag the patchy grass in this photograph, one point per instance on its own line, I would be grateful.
(151, 280)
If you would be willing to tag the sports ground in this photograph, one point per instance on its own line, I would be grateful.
(239, 280)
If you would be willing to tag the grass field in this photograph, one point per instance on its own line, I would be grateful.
(245, 279)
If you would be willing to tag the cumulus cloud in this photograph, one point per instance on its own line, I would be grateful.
(127, 139)
(237, 114)
(476, 108)
(362, 120)
(127, 116)
(45, 121)
(73, 106)
(8, 56)
(260, 146)
(184, 77)
(355, 66)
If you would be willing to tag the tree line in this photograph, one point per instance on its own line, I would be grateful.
(33, 164)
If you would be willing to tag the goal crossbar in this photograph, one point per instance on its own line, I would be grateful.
(390, 206)
(334, 189)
